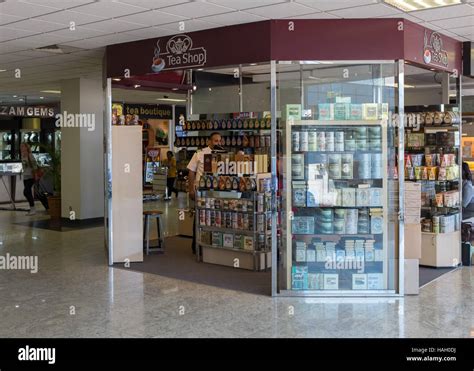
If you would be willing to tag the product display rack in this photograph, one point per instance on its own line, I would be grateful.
(316, 258)
(432, 158)
(219, 238)
(236, 133)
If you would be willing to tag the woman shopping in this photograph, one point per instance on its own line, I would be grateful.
(170, 163)
(30, 175)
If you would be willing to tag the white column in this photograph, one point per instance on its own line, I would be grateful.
(82, 174)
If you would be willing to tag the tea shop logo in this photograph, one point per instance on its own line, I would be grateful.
(179, 54)
(433, 52)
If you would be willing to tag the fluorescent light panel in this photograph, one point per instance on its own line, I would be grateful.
(51, 91)
(412, 5)
(171, 99)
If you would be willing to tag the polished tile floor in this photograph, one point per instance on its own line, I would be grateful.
(75, 294)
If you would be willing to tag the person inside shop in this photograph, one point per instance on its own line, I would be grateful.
(467, 193)
(196, 169)
(31, 175)
(170, 163)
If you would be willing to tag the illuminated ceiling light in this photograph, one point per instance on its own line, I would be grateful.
(117, 79)
(171, 100)
(136, 86)
(411, 5)
(41, 97)
(174, 89)
(15, 96)
(3, 70)
(194, 87)
(51, 91)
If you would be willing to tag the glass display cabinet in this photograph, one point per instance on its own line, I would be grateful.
(338, 178)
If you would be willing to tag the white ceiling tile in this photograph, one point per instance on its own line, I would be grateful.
(320, 15)
(37, 25)
(59, 4)
(455, 22)
(405, 16)
(67, 16)
(431, 26)
(4, 18)
(326, 5)
(10, 46)
(10, 57)
(245, 4)
(148, 33)
(152, 18)
(196, 9)
(24, 10)
(38, 41)
(444, 12)
(366, 11)
(7, 33)
(153, 4)
(233, 18)
(189, 26)
(79, 33)
(96, 42)
(457, 37)
(281, 10)
(34, 54)
(463, 31)
(108, 9)
(114, 25)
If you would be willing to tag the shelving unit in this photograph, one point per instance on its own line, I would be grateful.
(251, 236)
(436, 165)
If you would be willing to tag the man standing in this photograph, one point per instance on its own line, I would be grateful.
(196, 169)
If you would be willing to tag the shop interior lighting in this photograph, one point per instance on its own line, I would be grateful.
(15, 96)
(51, 91)
(3, 70)
(171, 99)
(412, 5)
(41, 97)
(117, 79)
(136, 86)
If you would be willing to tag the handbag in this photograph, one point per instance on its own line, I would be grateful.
(38, 174)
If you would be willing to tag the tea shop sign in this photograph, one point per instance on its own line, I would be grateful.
(180, 53)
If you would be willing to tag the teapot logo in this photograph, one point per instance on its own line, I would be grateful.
(179, 44)
(433, 52)
(180, 53)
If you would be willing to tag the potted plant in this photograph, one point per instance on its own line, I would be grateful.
(53, 171)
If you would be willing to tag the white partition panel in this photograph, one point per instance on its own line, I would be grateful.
(127, 205)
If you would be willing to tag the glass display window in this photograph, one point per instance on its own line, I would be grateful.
(338, 177)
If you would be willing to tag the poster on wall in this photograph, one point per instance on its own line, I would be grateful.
(160, 129)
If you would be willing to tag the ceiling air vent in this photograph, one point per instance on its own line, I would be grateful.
(51, 49)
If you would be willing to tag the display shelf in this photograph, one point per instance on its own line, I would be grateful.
(225, 130)
(336, 122)
(231, 230)
(373, 235)
(234, 211)
(337, 152)
(228, 248)
(440, 128)
(336, 207)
